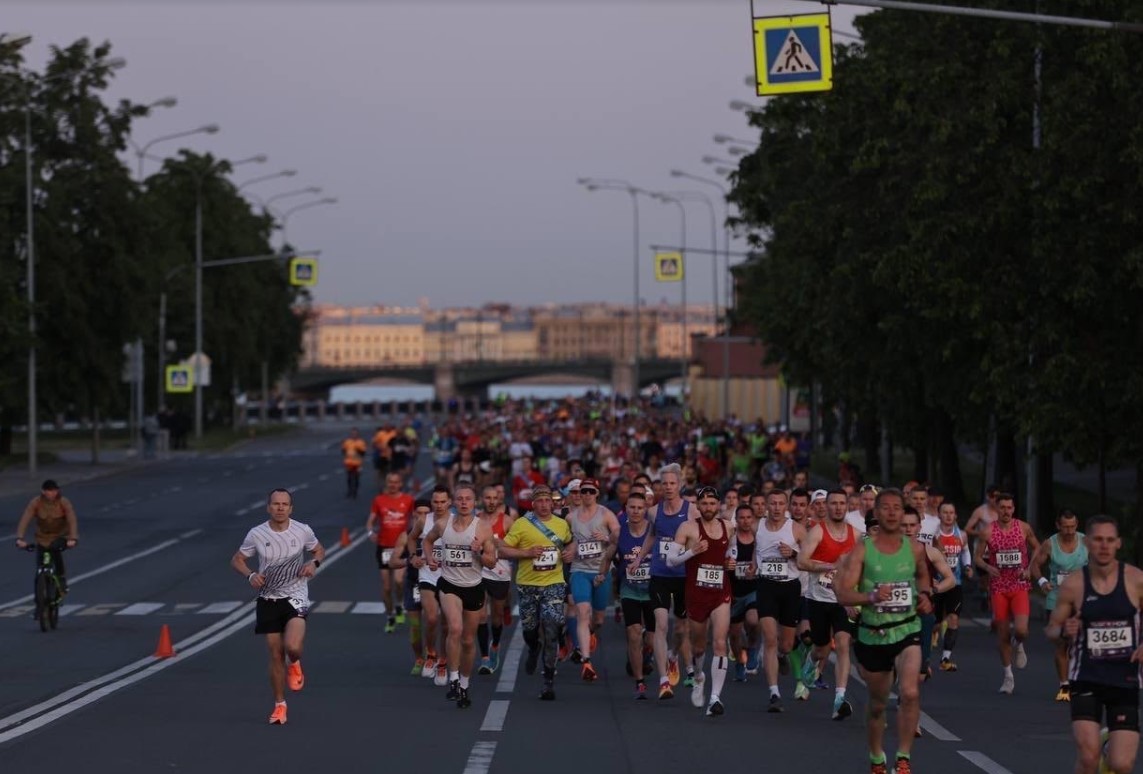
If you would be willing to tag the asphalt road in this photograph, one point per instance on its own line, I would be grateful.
(90, 697)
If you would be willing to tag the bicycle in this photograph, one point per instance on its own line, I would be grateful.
(49, 590)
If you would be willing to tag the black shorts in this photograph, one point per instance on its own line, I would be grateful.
(948, 602)
(663, 589)
(637, 611)
(380, 554)
(883, 658)
(428, 588)
(1089, 700)
(471, 597)
(780, 600)
(828, 619)
(272, 615)
(740, 606)
(496, 589)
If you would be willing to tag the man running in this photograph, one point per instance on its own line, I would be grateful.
(541, 543)
(283, 590)
(1065, 553)
(405, 552)
(887, 576)
(947, 604)
(704, 547)
(353, 451)
(467, 546)
(596, 533)
(497, 583)
(440, 501)
(635, 588)
(1010, 544)
(779, 589)
(1097, 610)
(745, 629)
(389, 517)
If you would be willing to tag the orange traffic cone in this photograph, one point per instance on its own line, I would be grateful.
(344, 536)
(165, 649)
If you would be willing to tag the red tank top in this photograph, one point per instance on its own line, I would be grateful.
(706, 572)
(1008, 552)
(830, 550)
(498, 526)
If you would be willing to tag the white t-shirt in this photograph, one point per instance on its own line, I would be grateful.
(856, 520)
(281, 555)
(930, 526)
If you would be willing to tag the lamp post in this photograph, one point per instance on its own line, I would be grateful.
(286, 215)
(717, 160)
(723, 139)
(726, 250)
(593, 184)
(745, 107)
(669, 199)
(141, 152)
(264, 178)
(198, 354)
(312, 189)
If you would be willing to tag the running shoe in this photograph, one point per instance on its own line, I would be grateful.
(689, 681)
(752, 662)
(842, 709)
(278, 715)
(715, 708)
(820, 685)
(494, 658)
(565, 651)
(294, 676)
(739, 672)
(576, 657)
(453, 691)
(801, 692)
(878, 768)
(1021, 659)
(533, 657)
(400, 616)
(441, 680)
(391, 626)
(665, 691)
(673, 671)
(462, 700)
(904, 766)
(485, 667)
(430, 669)
(783, 664)
(594, 643)
(1008, 685)
(549, 692)
(418, 667)
(775, 703)
(1064, 693)
(698, 692)
(809, 671)
(588, 672)
(640, 692)
(948, 665)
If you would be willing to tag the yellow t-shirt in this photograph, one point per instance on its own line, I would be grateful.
(547, 569)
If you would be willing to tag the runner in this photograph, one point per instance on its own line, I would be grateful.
(596, 533)
(389, 515)
(405, 552)
(283, 590)
(946, 605)
(705, 548)
(779, 589)
(353, 451)
(1010, 544)
(497, 583)
(467, 545)
(745, 630)
(1065, 553)
(800, 513)
(541, 543)
(942, 579)
(831, 624)
(887, 576)
(635, 589)
(440, 501)
(1097, 610)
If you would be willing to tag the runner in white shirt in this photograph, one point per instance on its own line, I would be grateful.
(283, 590)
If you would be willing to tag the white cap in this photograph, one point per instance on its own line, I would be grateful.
(819, 494)
(573, 485)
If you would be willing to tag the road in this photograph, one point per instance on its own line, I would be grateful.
(156, 542)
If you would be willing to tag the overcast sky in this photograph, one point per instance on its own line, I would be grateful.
(452, 133)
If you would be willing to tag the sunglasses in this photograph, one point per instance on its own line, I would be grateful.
(589, 490)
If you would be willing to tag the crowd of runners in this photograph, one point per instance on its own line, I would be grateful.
(712, 537)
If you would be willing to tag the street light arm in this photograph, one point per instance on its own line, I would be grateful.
(264, 178)
(207, 129)
(313, 189)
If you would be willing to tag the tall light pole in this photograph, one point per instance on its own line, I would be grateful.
(668, 199)
(264, 178)
(286, 215)
(726, 251)
(312, 189)
(198, 354)
(593, 184)
(722, 139)
(141, 151)
(717, 160)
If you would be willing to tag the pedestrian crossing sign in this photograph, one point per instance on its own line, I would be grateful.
(303, 271)
(793, 54)
(179, 378)
(668, 267)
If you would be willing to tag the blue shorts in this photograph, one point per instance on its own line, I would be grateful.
(583, 589)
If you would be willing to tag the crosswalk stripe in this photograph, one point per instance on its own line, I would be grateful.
(332, 607)
(220, 607)
(102, 609)
(69, 609)
(369, 608)
(141, 608)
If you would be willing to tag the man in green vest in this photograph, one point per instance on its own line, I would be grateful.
(887, 577)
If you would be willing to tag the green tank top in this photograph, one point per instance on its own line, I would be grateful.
(1062, 564)
(891, 621)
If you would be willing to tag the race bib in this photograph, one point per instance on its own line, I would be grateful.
(825, 580)
(1009, 559)
(386, 555)
(773, 568)
(1110, 640)
(547, 560)
(589, 549)
(665, 547)
(709, 576)
(416, 595)
(900, 600)
(639, 574)
(740, 570)
(1061, 577)
(301, 605)
(952, 552)
(437, 554)
(458, 556)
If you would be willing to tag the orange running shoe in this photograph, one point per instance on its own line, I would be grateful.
(878, 768)
(904, 766)
(673, 671)
(279, 714)
(594, 643)
(294, 676)
(588, 672)
(565, 651)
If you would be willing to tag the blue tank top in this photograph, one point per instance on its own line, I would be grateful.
(1109, 633)
(664, 528)
(634, 585)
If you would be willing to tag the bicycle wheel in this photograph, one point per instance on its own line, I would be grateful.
(53, 608)
(42, 605)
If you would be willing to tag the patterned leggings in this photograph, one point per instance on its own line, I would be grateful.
(543, 606)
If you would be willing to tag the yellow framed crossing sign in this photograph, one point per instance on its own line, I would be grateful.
(793, 54)
(303, 271)
(180, 378)
(669, 267)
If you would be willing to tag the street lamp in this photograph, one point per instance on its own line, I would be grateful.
(313, 189)
(735, 150)
(726, 299)
(264, 178)
(141, 152)
(596, 184)
(717, 160)
(745, 107)
(305, 206)
(722, 139)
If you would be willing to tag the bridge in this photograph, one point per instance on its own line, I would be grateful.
(453, 379)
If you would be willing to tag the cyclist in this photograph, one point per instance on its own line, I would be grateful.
(55, 519)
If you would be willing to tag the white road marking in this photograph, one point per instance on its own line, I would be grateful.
(985, 622)
(220, 607)
(511, 663)
(141, 608)
(983, 761)
(323, 477)
(369, 608)
(936, 729)
(69, 609)
(479, 760)
(104, 609)
(495, 715)
(192, 533)
(332, 607)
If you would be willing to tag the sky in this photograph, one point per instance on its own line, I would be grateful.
(451, 133)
